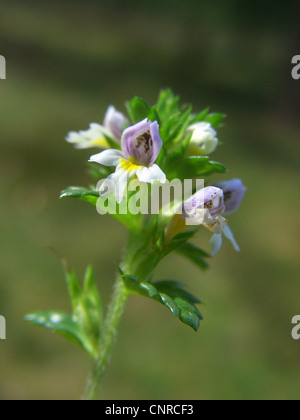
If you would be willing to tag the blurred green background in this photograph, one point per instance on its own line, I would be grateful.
(66, 62)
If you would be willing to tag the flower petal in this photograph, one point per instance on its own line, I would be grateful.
(234, 192)
(229, 235)
(115, 184)
(151, 175)
(157, 141)
(141, 143)
(129, 133)
(93, 137)
(216, 242)
(115, 122)
(208, 197)
(109, 157)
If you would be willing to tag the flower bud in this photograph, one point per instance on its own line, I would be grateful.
(204, 139)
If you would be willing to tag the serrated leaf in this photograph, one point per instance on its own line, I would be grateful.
(132, 284)
(190, 318)
(62, 324)
(138, 109)
(186, 306)
(149, 289)
(171, 294)
(169, 303)
(194, 254)
(175, 289)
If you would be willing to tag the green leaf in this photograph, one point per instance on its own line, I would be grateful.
(167, 105)
(179, 240)
(153, 115)
(174, 159)
(74, 288)
(99, 172)
(169, 293)
(84, 325)
(174, 130)
(138, 109)
(180, 130)
(200, 117)
(92, 197)
(92, 302)
(195, 166)
(149, 289)
(132, 284)
(194, 254)
(86, 303)
(187, 316)
(62, 324)
(169, 303)
(175, 289)
(215, 119)
(85, 194)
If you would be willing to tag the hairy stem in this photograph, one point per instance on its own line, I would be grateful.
(106, 342)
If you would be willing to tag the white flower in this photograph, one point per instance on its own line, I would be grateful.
(141, 145)
(96, 136)
(204, 139)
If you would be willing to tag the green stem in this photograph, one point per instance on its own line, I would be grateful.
(136, 262)
(106, 342)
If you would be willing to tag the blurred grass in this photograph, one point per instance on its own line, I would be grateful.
(66, 61)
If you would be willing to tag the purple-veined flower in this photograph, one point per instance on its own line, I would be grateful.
(206, 208)
(113, 126)
(234, 192)
(140, 147)
(204, 139)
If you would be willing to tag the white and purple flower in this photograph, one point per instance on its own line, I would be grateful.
(140, 147)
(206, 208)
(96, 136)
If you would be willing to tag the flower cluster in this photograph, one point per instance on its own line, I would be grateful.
(137, 148)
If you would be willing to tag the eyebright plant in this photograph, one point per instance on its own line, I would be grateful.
(152, 146)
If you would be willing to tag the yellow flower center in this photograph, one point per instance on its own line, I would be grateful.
(129, 166)
(101, 143)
